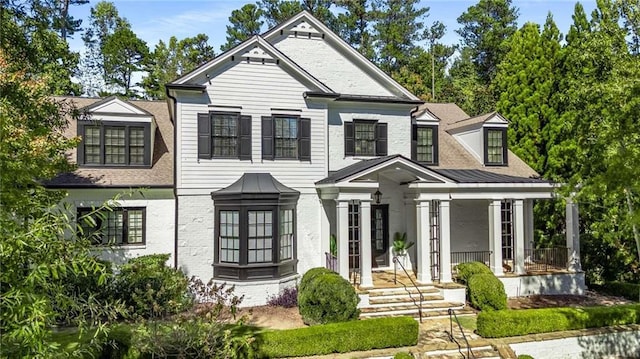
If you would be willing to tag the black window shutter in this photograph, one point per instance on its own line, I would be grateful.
(244, 152)
(267, 138)
(505, 150)
(349, 140)
(381, 139)
(414, 142)
(436, 144)
(204, 136)
(304, 140)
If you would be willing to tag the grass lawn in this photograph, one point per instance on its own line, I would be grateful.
(468, 322)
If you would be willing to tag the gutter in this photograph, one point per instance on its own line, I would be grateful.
(175, 191)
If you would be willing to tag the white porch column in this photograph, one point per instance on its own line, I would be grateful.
(423, 242)
(366, 279)
(342, 214)
(528, 224)
(573, 235)
(445, 242)
(495, 237)
(518, 213)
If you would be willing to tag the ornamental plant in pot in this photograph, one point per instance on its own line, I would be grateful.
(400, 244)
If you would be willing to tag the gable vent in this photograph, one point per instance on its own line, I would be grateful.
(304, 28)
(258, 55)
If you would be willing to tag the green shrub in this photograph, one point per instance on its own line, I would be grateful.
(486, 292)
(341, 337)
(505, 323)
(403, 355)
(629, 291)
(467, 270)
(525, 356)
(327, 298)
(150, 288)
(310, 275)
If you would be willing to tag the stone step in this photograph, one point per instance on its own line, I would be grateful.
(430, 305)
(485, 352)
(377, 292)
(405, 298)
(431, 313)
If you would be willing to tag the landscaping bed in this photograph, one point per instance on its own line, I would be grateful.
(590, 298)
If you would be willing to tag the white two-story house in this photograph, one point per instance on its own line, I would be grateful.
(293, 136)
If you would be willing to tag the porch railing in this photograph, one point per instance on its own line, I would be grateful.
(331, 261)
(396, 263)
(546, 259)
(465, 257)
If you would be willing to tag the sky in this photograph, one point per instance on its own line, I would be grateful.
(160, 19)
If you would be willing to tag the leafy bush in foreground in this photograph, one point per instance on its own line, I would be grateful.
(469, 269)
(341, 337)
(327, 298)
(152, 289)
(486, 292)
(506, 323)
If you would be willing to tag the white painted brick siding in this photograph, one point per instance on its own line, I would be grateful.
(329, 66)
(159, 230)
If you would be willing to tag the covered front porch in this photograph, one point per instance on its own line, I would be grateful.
(451, 216)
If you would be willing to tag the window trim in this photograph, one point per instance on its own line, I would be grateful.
(126, 125)
(435, 143)
(206, 143)
(503, 130)
(81, 211)
(380, 142)
(268, 128)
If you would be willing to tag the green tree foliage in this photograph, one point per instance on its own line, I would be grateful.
(464, 87)
(27, 39)
(63, 21)
(353, 25)
(103, 22)
(173, 59)
(399, 25)
(36, 263)
(244, 23)
(124, 54)
(526, 81)
(278, 11)
(485, 26)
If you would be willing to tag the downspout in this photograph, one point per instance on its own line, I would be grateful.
(175, 190)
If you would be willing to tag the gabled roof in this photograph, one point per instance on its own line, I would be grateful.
(480, 119)
(128, 107)
(363, 167)
(242, 49)
(160, 174)
(342, 45)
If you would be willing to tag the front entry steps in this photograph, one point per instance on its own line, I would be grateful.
(388, 302)
(484, 352)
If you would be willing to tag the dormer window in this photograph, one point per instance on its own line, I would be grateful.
(424, 144)
(495, 146)
(106, 143)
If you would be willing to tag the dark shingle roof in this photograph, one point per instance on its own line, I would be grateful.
(479, 176)
(160, 174)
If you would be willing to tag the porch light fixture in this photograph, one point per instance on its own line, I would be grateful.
(377, 196)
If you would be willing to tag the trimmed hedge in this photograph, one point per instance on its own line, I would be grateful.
(327, 298)
(469, 269)
(341, 337)
(486, 292)
(507, 323)
(309, 276)
(629, 291)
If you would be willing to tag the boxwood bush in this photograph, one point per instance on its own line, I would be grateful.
(629, 291)
(506, 323)
(486, 292)
(326, 297)
(467, 270)
(341, 337)
(310, 275)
